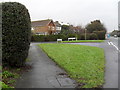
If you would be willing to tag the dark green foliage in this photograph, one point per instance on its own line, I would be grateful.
(47, 38)
(95, 26)
(16, 33)
(7, 74)
(50, 38)
(96, 30)
(38, 38)
(4, 86)
(87, 36)
(115, 32)
(93, 36)
(65, 29)
(79, 37)
(82, 36)
(71, 35)
(118, 34)
(100, 34)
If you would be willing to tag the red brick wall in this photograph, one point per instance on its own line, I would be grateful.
(44, 29)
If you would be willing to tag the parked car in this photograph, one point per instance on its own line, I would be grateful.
(115, 36)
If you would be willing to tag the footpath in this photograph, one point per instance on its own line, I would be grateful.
(44, 73)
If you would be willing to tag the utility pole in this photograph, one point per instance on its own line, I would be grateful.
(85, 33)
(119, 15)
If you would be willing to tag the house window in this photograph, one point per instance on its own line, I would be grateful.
(32, 28)
(45, 33)
(53, 28)
(58, 28)
(40, 33)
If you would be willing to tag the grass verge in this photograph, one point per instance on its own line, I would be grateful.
(84, 41)
(85, 64)
(9, 78)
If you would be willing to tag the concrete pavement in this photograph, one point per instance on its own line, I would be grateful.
(44, 73)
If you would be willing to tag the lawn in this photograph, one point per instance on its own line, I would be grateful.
(85, 64)
(82, 41)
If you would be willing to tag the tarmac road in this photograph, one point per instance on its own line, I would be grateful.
(111, 69)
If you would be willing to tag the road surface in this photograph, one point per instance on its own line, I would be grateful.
(111, 71)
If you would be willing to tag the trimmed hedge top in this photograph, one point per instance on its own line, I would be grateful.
(16, 33)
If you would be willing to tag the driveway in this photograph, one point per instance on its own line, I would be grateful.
(44, 73)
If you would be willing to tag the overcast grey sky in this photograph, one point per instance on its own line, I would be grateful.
(76, 12)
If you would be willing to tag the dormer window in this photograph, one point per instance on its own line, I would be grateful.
(53, 28)
(32, 28)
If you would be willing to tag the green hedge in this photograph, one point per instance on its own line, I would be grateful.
(16, 33)
(47, 38)
(93, 36)
(100, 34)
(83, 37)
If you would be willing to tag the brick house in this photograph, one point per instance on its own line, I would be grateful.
(43, 27)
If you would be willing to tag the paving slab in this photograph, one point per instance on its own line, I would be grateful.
(54, 82)
(65, 81)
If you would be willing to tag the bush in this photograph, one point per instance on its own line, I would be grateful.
(16, 31)
(62, 36)
(115, 32)
(37, 38)
(71, 35)
(93, 36)
(87, 36)
(118, 34)
(50, 38)
(47, 38)
(7, 74)
(100, 34)
(4, 85)
(79, 37)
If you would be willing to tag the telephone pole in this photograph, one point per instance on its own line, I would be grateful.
(85, 33)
